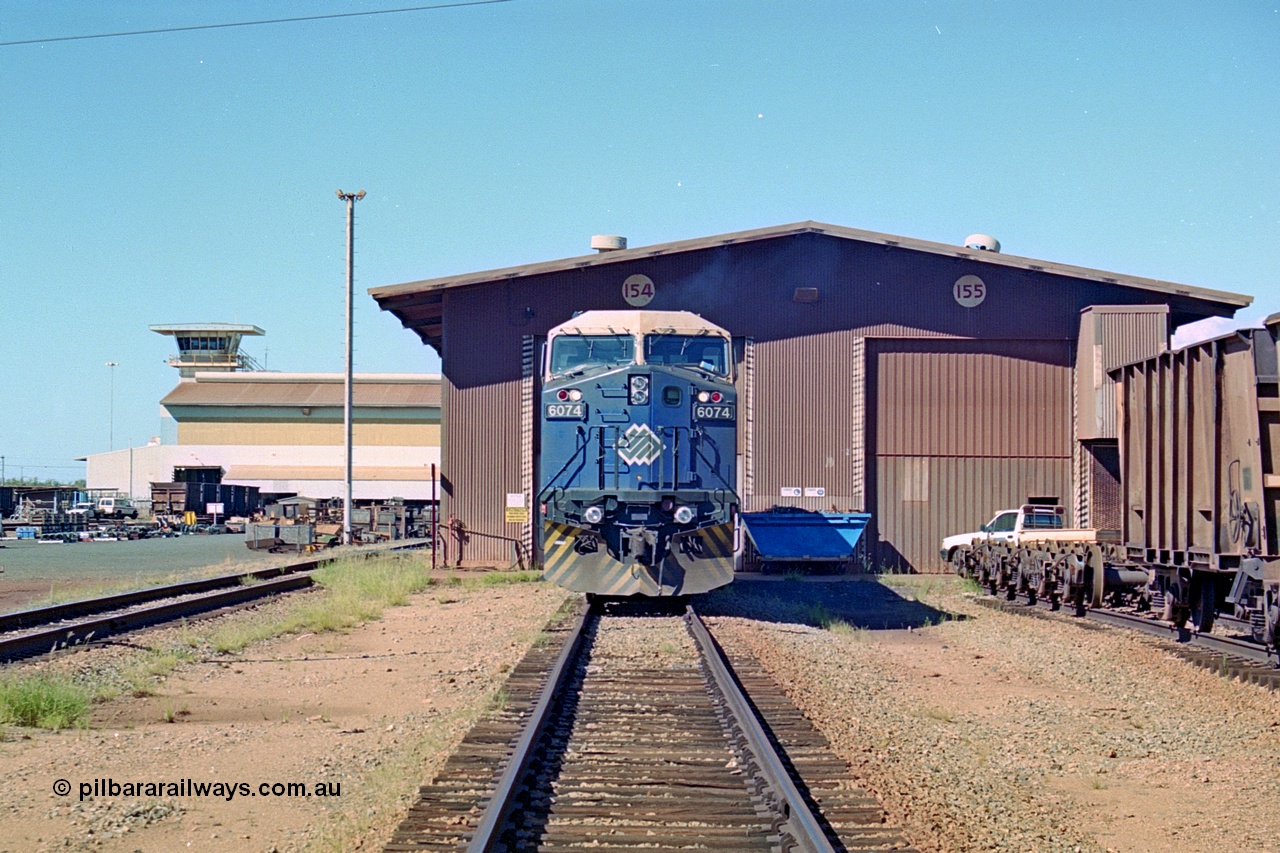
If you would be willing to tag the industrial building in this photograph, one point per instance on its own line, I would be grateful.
(928, 384)
(280, 432)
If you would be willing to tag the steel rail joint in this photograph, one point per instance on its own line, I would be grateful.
(485, 838)
(805, 827)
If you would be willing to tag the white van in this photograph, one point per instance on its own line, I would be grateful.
(116, 508)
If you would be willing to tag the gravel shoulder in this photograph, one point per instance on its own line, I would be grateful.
(371, 713)
(978, 730)
(988, 731)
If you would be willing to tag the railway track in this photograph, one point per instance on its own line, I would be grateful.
(76, 623)
(46, 629)
(629, 731)
(1230, 657)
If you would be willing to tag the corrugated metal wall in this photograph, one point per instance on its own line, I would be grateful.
(963, 429)
(921, 499)
(1112, 335)
(803, 426)
(483, 463)
(858, 422)
(973, 398)
(530, 392)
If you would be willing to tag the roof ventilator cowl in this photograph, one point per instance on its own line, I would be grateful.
(608, 242)
(982, 242)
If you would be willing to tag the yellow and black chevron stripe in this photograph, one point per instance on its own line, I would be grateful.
(685, 570)
(704, 566)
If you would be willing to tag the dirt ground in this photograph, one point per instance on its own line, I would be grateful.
(380, 706)
(19, 595)
(982, 730)
(979, 731)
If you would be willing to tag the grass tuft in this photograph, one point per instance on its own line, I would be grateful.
(489, 579)
(43, 701)
(941, 715)
(354, 591)
(844, 629)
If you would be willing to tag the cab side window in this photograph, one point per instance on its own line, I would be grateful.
(1005, 522)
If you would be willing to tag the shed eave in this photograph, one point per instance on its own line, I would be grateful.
(398, 297)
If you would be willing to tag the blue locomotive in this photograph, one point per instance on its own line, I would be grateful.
(638, 454)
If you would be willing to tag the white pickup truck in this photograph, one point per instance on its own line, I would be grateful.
(1032, 551)
(1031, 524)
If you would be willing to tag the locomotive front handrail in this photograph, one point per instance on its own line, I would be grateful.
(713, 468)
(580, 450)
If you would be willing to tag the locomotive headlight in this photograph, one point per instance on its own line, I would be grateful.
(639, 391)
(593, 514)
(575, 394)
(704, 396)
(684, 515)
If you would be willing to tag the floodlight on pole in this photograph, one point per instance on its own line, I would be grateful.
(350, 199)
(111, 411)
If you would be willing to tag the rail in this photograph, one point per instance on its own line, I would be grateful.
(799, 827)
(504, 796)
(1228, 656)
(804, 827)
(106, 614)
(97, 627)
(87, 607)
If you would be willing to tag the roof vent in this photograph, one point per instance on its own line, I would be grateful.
(984, 242)
(608, 243)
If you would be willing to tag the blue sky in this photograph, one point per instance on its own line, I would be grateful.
(190, 176)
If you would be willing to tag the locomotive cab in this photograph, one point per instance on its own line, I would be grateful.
(638, 445)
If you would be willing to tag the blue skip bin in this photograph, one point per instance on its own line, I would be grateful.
(791, 535)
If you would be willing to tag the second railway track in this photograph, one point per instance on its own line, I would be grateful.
(1230, 657)
(66, 626)
(648, 742)
(76, 623)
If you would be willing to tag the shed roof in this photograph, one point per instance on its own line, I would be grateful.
(305, 389)
(418, 304)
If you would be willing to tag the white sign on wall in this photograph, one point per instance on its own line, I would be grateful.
(815, 491)
(969, 291)
(638, 290)
(790, 492)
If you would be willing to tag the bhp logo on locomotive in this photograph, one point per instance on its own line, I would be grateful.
(639, 445)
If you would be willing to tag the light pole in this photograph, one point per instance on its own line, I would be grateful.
(350, 199)
(111, 429)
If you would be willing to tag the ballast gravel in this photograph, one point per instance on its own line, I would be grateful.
(982, 730)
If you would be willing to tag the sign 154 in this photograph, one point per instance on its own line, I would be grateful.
(638, 290)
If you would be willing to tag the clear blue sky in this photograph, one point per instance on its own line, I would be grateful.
(190, 176)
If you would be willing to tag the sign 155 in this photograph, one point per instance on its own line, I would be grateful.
(969, 291)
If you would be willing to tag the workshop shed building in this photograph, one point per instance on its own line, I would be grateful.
(928, 384)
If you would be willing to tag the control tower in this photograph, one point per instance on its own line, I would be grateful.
(209, 347)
